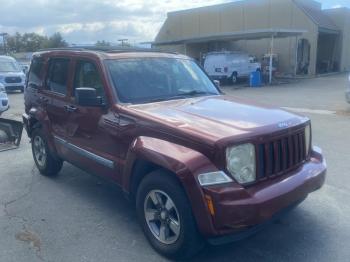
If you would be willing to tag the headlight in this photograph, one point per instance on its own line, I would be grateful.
(213, 178)
(240, 161)
(307, 139)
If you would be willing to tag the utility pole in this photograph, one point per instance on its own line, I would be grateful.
(3, 35)
(123, 41)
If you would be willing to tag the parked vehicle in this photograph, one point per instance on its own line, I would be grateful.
(4, 101)
(11, 74)
(25, 67)
(230, 65)
(10, 130)
(347, 94)
(199, 165)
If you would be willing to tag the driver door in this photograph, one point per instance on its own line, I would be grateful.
(89, 143)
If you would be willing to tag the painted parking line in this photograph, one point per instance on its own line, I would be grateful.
(311, 111)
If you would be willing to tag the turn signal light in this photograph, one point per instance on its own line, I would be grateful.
(210, 204)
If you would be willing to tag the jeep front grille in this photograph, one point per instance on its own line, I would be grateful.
(280, 155)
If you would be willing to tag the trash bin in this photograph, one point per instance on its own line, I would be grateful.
(255, 79)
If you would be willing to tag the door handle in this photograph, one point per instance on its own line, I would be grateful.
(43, 99)
(70, 108)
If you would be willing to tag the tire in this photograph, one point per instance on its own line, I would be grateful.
(22, 90)
(187, 241)
(234, 78)
(47, 164)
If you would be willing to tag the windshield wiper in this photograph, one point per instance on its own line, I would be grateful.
(179, 96)
(195, 93)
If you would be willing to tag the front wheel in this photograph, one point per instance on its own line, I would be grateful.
(166, 217)
(45, 161)
(234, 78)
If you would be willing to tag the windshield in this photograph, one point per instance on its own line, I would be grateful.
(158, 79)
(8, 66)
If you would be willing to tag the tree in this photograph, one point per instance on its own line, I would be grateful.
(55, 41)
(31, 42)
(103, 43)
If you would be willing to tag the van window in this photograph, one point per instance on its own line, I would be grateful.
(58, 75)
(34, 77)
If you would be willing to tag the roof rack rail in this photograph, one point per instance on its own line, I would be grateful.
(108, 49)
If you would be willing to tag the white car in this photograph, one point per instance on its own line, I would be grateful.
(229, 65)
(11, 74)
(4, 101)
(347, 93)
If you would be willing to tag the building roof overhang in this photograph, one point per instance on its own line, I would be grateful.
(237, 35)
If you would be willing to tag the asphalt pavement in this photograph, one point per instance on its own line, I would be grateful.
(76, 217)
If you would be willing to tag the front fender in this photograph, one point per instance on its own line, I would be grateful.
(184, 162)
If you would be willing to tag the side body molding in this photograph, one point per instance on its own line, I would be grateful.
(184, 162)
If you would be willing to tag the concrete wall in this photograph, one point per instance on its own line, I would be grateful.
(341, 17)
(240, 16)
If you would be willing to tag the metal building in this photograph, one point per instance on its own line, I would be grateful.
(310, 40)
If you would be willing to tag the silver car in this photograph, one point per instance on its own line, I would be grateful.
(4, 101)
(11, 75)
(347, 93)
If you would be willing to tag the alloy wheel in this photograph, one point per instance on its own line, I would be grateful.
(39, 151)
(162, 217)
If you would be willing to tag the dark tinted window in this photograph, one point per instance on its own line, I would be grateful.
(155, 79)
(34, 78)
(58, 75)
(87, 75)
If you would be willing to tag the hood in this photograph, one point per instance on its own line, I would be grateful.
(219, 117)
(18, 73)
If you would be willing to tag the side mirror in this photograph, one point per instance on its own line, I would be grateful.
(217, 83)
(87, 96)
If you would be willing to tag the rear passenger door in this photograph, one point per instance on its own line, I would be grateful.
(34, 82)
(54, 95)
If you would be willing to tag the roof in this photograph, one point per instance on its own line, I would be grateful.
(318, 16)
(108, 53)
(239, 35)
(9, 58)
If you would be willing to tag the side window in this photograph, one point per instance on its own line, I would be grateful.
(58, 75)
(87, 75)
(34, 76)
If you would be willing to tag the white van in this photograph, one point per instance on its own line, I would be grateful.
(230, 65)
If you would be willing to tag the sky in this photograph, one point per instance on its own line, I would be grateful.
(86, 21)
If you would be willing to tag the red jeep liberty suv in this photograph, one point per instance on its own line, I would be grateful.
(199, 165)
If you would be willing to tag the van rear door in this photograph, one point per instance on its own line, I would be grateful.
(215, 64)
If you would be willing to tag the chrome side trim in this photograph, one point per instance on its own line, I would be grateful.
(99, 159)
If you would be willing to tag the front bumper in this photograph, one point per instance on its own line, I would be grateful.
(240, 210)
(14, 87)
(219, 77)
